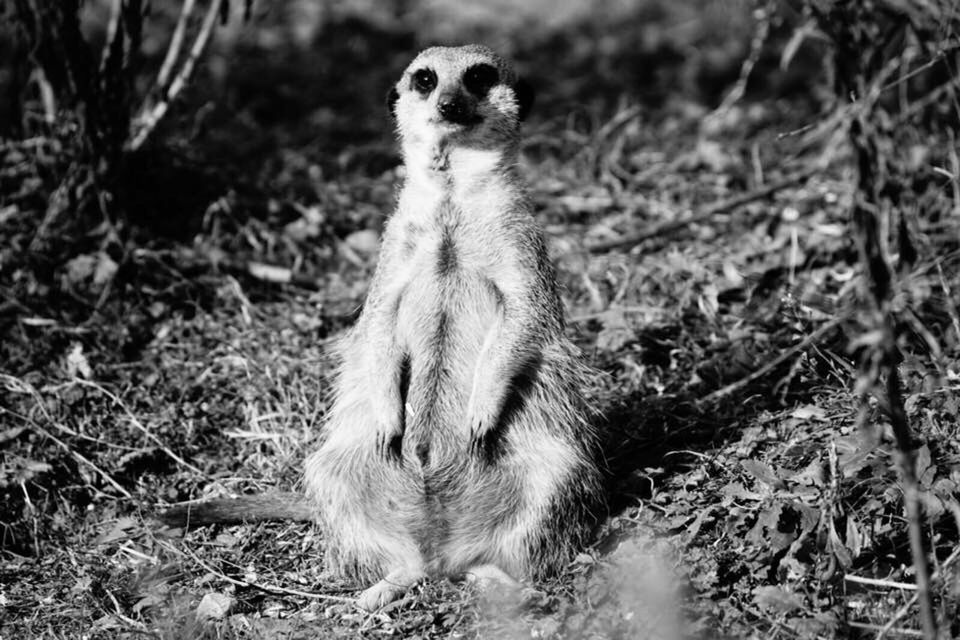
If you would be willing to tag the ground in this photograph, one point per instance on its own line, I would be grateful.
(753, 490)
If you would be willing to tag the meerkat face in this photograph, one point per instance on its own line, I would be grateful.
(464, 96)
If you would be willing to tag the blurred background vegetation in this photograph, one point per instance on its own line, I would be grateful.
(298, 86)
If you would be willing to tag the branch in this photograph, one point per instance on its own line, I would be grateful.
(905, 609)
(113, 27)
(716, 208)
(19, 386)
(773, 364)
(150, 120)
(136, 423)
(911, 499)
(176, 44)
(882, 357)
(268, 588)
(764, 18)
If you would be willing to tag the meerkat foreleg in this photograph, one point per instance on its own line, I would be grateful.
(383, 356)
(384, 394)
(510, 344)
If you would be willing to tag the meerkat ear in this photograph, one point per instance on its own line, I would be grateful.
(525, 94)
(392, 97)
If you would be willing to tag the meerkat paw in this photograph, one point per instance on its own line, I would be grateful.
(481, 423)
(394, 585)
(483, 409)
(388, 426)
(490, 576)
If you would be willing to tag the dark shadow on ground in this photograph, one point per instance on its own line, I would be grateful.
(642, 432)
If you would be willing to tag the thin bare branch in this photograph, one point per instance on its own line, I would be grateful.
(702, 216)
(176, 44)
(773, 364)
(149, 121)
(139, 425)
(21, 386)
(764, 15)
(113, 28)
(269, 588)
(905, 609)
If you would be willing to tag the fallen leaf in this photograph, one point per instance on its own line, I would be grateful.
(763, 473)
(777, 599)
(76, 363)
(809, 412)
(366, 242)
(120, 531)
(214, 606)
(11, 434)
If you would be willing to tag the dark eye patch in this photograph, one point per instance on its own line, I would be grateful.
(424, 81)
(479, 78)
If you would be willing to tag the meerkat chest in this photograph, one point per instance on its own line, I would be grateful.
(448, 298)
(448, 247)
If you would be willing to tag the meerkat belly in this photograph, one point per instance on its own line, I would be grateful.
(442, 322)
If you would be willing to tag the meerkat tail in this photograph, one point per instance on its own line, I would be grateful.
(258, 508)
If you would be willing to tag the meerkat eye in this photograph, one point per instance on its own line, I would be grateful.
(479, 78)
(424, 81)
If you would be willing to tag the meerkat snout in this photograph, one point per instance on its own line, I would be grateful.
(455, 109)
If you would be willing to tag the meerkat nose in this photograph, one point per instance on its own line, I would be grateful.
(453, 108)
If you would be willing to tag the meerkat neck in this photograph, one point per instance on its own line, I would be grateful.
(459, 169)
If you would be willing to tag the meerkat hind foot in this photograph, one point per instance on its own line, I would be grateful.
(394, 585)
(487, 576)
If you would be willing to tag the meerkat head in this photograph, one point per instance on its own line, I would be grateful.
(467, 97)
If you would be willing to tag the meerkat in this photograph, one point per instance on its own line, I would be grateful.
(458, 442)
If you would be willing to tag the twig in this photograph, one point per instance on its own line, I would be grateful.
(954, 173)
(269, 588)
(277, 275)
(176, 44)
(599, 314)
(902, 611)
(922, 103)
(103, 474)
(47, 96)
(718, 207)
(149, 120)
(26, 387)
(113, 28)
(764, 18)
(773, 364)
(912, 633)
(948, 295)
(911, 498)
(139, 425)
(875, 582)
(617, 122)
(880, 360)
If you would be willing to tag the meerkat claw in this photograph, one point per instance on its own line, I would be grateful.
(384, 440)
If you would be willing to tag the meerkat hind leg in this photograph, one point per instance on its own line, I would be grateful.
(394, 585)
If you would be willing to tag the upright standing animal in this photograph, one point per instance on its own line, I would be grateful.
(458, 441)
